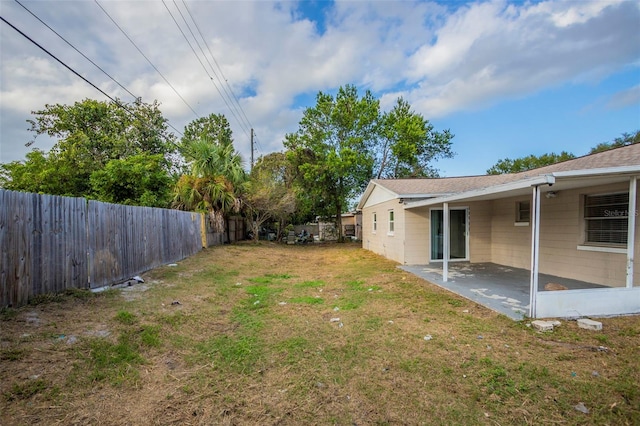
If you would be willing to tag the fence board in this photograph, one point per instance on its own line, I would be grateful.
(43, 243)
(50, 243)
(127, 240)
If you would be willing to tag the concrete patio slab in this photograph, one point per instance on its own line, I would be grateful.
(500, 288)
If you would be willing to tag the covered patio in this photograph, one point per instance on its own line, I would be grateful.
(503, 289)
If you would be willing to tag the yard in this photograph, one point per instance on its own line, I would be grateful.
(314, 334)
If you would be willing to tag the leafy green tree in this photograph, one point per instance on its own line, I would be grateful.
(529, 162)
(89, 135)
(409, 144)
(269, 193)
(216, 176)
(624, 140)
(343, 142)
(140, 180)
(332, 148)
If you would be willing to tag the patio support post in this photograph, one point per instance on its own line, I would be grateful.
(631, 233)
(445, 242)
(535, 249)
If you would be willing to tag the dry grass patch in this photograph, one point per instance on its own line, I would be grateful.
(315, 334)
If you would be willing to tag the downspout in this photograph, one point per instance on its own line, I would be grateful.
(445, 242)
(631, 233)
(535, 250)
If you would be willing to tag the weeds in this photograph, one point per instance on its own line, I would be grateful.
(229, 353)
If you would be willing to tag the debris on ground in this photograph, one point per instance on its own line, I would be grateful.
(580, 407)
(589, 324)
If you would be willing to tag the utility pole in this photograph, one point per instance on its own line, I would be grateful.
(251, 168)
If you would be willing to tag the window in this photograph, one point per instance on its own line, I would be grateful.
(375, 222)
(607, 218)
(391, 222)
(523, 211)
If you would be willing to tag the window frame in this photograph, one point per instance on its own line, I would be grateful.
(519, 219)
(391, 223)
(374, 222)
(618, 212)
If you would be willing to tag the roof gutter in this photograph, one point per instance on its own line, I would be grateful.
(548, 179)
(598, 172)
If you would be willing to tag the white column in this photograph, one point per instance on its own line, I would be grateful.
(535, 250)
(445, 242)
(631, 231)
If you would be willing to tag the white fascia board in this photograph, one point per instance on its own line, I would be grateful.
(367, 193)
(490, 190)
(604, 171)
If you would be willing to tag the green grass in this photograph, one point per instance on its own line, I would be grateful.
(231, 353)
(25, 390)
(125, 317)
(308, 300)
(311, 284)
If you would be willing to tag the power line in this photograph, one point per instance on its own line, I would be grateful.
(222, 95)
(60, 61)
(223, 79)
(148, 60)
(74, 48)
(233, 106)
(114, 100)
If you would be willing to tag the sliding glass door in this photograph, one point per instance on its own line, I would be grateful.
(458, 234)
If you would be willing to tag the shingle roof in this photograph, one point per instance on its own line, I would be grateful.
(625, 156)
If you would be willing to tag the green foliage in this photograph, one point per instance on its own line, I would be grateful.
(140, 180)
(213, 128)
(343, 142)
(269, 193)
(331, 149)
(529, 162)
(91, 134)
(409, 144)
(216, 175)
(624, 140)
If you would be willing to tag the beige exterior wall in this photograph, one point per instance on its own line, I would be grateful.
(561, 234)
(510, 244)
(480, 235)
(417, 241)
(382, 241)
(495, 237)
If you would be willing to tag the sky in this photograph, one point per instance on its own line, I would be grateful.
(507, 78)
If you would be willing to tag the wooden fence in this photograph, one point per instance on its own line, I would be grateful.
(50, 243)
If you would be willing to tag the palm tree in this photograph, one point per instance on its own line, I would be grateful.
(215, 181)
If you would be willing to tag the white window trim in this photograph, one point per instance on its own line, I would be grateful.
(521, 222)
(596, 246)
(374, 224)
(602, 249)
(391, 232)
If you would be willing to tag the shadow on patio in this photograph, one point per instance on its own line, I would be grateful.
(500, 288)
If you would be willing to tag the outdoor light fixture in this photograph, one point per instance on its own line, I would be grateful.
(551, 194)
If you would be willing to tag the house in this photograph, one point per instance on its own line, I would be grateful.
(575, 220)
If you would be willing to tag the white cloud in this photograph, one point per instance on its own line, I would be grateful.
(625, 98)
(443, 58)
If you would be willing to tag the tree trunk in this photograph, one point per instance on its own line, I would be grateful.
(339, 221)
